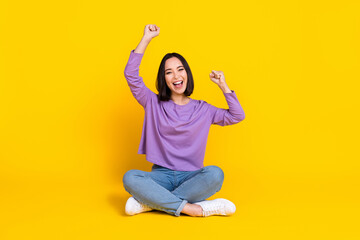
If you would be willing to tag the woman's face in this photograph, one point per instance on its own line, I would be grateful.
(175, 73)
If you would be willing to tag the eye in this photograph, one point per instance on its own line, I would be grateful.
(167, 72)
(181, 69)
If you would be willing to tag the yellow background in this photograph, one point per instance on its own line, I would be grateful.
(70, 127)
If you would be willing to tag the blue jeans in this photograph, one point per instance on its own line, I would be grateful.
(169, 190)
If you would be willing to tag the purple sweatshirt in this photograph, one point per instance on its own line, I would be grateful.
(175, 136)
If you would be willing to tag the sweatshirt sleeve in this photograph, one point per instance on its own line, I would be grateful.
(135, 82)
(224, 117)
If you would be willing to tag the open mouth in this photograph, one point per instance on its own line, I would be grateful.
(178, 84)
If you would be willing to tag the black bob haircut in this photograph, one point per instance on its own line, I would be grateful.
(161, 86)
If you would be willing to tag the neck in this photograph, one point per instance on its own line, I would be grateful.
(180, 99)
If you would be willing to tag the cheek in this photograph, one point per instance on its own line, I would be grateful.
(168, 82)
(168, 77)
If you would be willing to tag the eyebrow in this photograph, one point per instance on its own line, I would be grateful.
(170, 68)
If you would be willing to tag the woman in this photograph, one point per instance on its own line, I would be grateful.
(174, 139)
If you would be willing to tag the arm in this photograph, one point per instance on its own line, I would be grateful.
(131, 72)
(230, 116)
(141, 47)
(150, 32)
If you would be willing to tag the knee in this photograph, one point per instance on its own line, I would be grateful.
(217, 173)
(131, 177)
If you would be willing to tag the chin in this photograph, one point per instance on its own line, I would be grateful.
(180, 92)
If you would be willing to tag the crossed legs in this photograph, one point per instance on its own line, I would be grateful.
(156, 191)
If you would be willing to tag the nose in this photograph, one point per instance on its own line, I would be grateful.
(176, 76)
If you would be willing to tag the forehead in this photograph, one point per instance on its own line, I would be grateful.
(173, 62)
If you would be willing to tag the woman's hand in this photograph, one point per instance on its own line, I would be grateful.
(219, 78)
(151, 31)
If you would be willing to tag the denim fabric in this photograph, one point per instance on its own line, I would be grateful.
(169, 190)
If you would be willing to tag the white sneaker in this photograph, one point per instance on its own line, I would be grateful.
(219, 206)
(133, 207)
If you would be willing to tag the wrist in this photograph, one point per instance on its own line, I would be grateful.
(146, 39)
(224, 87)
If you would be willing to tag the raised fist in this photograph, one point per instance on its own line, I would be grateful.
(217, 77)
(151, 31)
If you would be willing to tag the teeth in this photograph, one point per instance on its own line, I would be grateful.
(178, 82)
